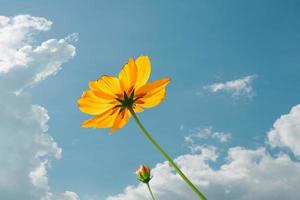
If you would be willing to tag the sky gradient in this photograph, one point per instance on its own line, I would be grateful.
(235, 69)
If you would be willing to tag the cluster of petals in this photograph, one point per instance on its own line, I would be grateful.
(105, 95)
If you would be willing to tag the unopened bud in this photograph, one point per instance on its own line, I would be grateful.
(143, 174)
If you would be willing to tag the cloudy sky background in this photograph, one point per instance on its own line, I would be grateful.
(231, 119)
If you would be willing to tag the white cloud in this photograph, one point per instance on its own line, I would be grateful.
(286, 131)
(68, 195)
(239, 87)
(26, 63)
(74, 37)
(247, 173)
(199, 134)
(222, 137)
(15, 33)
(26, 149)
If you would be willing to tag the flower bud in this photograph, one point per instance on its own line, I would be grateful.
(143, 174)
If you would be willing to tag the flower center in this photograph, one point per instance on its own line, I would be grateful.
(126, 101)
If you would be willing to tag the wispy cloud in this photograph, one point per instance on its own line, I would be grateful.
(238, 87)
(198, 135)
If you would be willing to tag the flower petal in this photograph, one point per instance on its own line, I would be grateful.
(91, 104)
(120, 121)
(143, 70)
(97, 96)
(128, 75)
(94, 88)
(103, 120)
(106, 86)
(152, 93)
(138, 108)
(152, 87)
(153, 99)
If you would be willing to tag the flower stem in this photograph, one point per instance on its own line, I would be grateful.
(158, 147)
(150, 191)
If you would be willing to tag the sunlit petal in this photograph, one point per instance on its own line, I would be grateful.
(125, 119)
(138, 108)
(93, 105)
(153, 87)
(153, 99)
(143, 70)
(120, 121)
(97, 91)
(105, 120)
(108, 86)
(128, 75)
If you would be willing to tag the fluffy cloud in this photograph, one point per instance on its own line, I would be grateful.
(26, 149)
(23, 63)
(14, 35)
(239, 87)
(286, 131)
(247, 173)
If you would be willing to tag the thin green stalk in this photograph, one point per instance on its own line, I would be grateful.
(150, 191)
(200, 195)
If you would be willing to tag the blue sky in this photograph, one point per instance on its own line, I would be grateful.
(197, 44)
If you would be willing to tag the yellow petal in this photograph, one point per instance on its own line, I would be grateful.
(116, 123)
(128, 75)
(143, 70)
(103, 120)
(153, 99)
(125, 119)
(97, 96)
(152, 87)
(94, 88)
(138, 108)
(93, 106)
(120, 121)
(106, 86)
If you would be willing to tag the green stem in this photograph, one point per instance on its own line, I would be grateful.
(166, 155)
(150, 191)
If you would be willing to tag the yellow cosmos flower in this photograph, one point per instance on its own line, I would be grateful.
(109, 98)
(113, 100)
